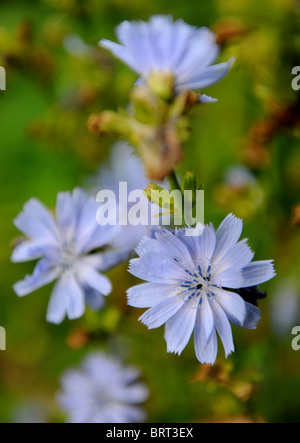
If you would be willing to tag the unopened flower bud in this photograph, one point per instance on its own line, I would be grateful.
(161, 84)
(109, 122)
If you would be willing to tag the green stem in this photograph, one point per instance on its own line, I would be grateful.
(174, 184)
(172, 179)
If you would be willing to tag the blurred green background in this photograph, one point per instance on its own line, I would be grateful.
(51, 89)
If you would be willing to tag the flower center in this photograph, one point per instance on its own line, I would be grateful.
(102, 398)
(198, 283)
(68, 255)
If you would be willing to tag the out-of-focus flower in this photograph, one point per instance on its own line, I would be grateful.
(63, 245)
(182, 52)
(173, 59)
(239, 176)
(284, 307)
(76, 46)
(102, 391)
(191, 286)
(126, 167)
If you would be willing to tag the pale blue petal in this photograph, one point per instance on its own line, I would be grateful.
(118, 413)
(88, 234)
(93, 298)
(101, 236)
(164, 42)
(159, 314)
(191, 242)
(86, 224)
(128, 237)
(252, 316)
(207, 77)
(134, 36)
(103, 261)
(180, 36)
(79, 197)
(57, 306)
(44, 272)
(65, 215)
(146, 295)
(202, 50)
(179, 328)
(75, 300)
(88, 276)
(67, 298)
(121, 53)
(205, 244)
(32, 249)
(130, 374)
(149, 244)
(156, 268)
(200, 247)
(37, 222)
(206, 319)
(100, 368)
(175, 249)
(134, 414)
(206, 351)
(161, 34)
(239, 256)
(203, 98)
(232, 304)
(135, 393)
(229, 278)
(227, 236)
(81, 415)
(223, 328)
(257, 272)
(71, 378)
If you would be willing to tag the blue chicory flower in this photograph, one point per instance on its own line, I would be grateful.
(191, 282)
(102, 391)
(171, 47)
(66, 248)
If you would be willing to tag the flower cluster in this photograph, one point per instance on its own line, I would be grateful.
(197, 279)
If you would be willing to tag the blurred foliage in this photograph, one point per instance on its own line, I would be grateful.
(56, 78)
